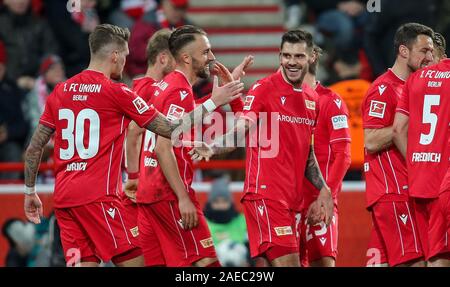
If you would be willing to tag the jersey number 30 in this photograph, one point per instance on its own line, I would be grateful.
(429, 118)
(74, 133)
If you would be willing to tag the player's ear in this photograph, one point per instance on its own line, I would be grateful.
(185, 57)
(403, 51)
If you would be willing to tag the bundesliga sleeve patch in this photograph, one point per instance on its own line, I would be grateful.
(377, 109)
(140, 105)
(175, 112)
(339, 122)
(248, 102)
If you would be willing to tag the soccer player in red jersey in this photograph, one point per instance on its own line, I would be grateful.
(318, 244)
(421, 133)
(279, 114)
(395, 234)
(89, 114)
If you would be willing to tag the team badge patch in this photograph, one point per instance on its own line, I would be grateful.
(208, 242)
(134, 231)
(311, 105)
(377, 109)
(283, 230)
(175, 112)
(140, 105)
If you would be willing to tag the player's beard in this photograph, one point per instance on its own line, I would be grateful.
(414, 68)
(201, 71)
(297, 81)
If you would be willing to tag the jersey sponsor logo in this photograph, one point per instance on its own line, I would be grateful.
(161, 85)
(255, 86)
(311, 105)
(134, 231)
(175, 112)
(404, 218)
(208, 242)
(323, 240)
(295, 120)
(381, 89)
(283, 100)
(338, 103)
(283, 230)
(339, 122)
(426, 157)
(183, 95)
(261, 209)
(140, 105)
(76, 166)
(112, 212)
(377, 109)
(248, 103)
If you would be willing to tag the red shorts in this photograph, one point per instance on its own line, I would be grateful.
(394, 235)
(180, 247)
(148, 240)
(98, 230)
(317, 241)
(269, 223)
(432, 228)
(444, 201)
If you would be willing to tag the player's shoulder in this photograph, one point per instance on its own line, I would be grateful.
(261, 85)
(328, 97)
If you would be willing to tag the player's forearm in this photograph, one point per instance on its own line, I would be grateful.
(400, 132)
(134, 141)
(233, 139)
(376, 140)
(34, 151)
(340, 165)
(312, 171)
(169, 166)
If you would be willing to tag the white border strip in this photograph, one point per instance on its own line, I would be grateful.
(236, 186)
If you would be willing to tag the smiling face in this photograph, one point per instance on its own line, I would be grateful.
(294, 60)
(202, 56)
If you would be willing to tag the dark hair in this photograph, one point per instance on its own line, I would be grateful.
(182, 36)
(297, 36)
(439, 42)
(312, 68)
(106, 34)
(158, 43)
(407, 34)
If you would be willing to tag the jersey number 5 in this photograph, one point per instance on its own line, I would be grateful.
(74, 133)
(429, 118)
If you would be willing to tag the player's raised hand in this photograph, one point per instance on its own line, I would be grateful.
(200, 150)
(239, 71)
(33, 208)
(130, 189)
(188, 212)
(226, 93)
(222, 72)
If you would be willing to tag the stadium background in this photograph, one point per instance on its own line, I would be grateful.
(237, 28)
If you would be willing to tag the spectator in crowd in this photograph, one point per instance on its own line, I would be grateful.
(21, 239)
(227, 225)
(129, 11)
(13, 127)
(72, 30)
(294, 13)
(381, 28)
(172, 14)
(26, 38)
(51, 72)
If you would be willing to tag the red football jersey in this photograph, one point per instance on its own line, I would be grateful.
(385, 171)
(278, 145)
(332, 127)
(173, 96)
(90, 114)
(426, 101)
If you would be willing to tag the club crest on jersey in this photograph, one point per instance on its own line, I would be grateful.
(283, 230)
(175, 112)
(338, 103)
(183, 95)
(283, 100)
(248, 102)
(377, 109)
(140, 105)
(381, 89)
(311, 105)
(208, 242)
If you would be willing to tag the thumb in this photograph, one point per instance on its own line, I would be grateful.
(215, 82)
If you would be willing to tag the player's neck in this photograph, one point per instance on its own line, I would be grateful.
(310, 80)
(155, 73)
(188, 73)
(401, 70)
(100, 67)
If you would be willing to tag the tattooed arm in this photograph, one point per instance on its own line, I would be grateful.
(321, 209)
(33, 154)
